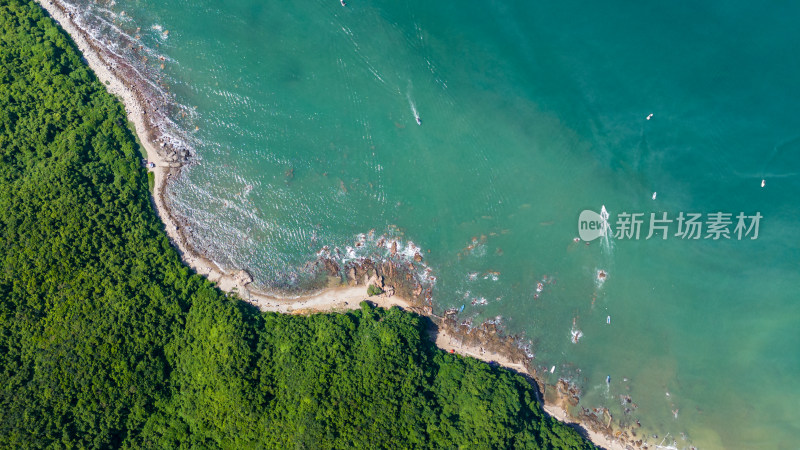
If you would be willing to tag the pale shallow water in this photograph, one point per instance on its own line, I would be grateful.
(307, 136)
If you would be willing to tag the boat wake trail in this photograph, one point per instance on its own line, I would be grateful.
(414, 108)
(606, 243)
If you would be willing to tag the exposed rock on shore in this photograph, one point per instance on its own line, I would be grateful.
(243, 278)
(393, 278)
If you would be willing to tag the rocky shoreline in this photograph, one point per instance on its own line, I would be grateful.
(488, 342)
(148, 104)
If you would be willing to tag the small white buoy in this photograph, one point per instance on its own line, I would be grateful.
(552, 369)
(763, 182)
(654, 195)
(650, 117)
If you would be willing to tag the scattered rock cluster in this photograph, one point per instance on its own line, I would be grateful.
(393, 277)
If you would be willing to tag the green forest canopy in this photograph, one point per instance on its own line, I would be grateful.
(108, 340)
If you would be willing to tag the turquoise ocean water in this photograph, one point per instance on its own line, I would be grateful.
(303, 119)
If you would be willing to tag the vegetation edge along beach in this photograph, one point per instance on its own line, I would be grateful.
(101, 350)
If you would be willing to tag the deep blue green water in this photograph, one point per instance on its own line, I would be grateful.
(531, 112)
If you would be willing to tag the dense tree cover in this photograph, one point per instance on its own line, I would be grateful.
(107, 340)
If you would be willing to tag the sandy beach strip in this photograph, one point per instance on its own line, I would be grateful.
(106, 66)
(333, 299)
